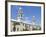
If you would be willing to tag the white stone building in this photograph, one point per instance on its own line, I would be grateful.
(19, 24)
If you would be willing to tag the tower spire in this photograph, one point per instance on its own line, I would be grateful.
(33, 20)
(20, 14)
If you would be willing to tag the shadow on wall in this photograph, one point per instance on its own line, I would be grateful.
(9, 36)
(12, 36)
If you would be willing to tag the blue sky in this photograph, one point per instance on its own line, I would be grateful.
(28, 12)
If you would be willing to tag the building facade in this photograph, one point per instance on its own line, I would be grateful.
(20, 25)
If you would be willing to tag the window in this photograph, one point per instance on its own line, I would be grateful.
(17, 29)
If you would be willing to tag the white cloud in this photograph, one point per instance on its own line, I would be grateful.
(27, 20)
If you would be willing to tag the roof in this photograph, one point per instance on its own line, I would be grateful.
(21, 21)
